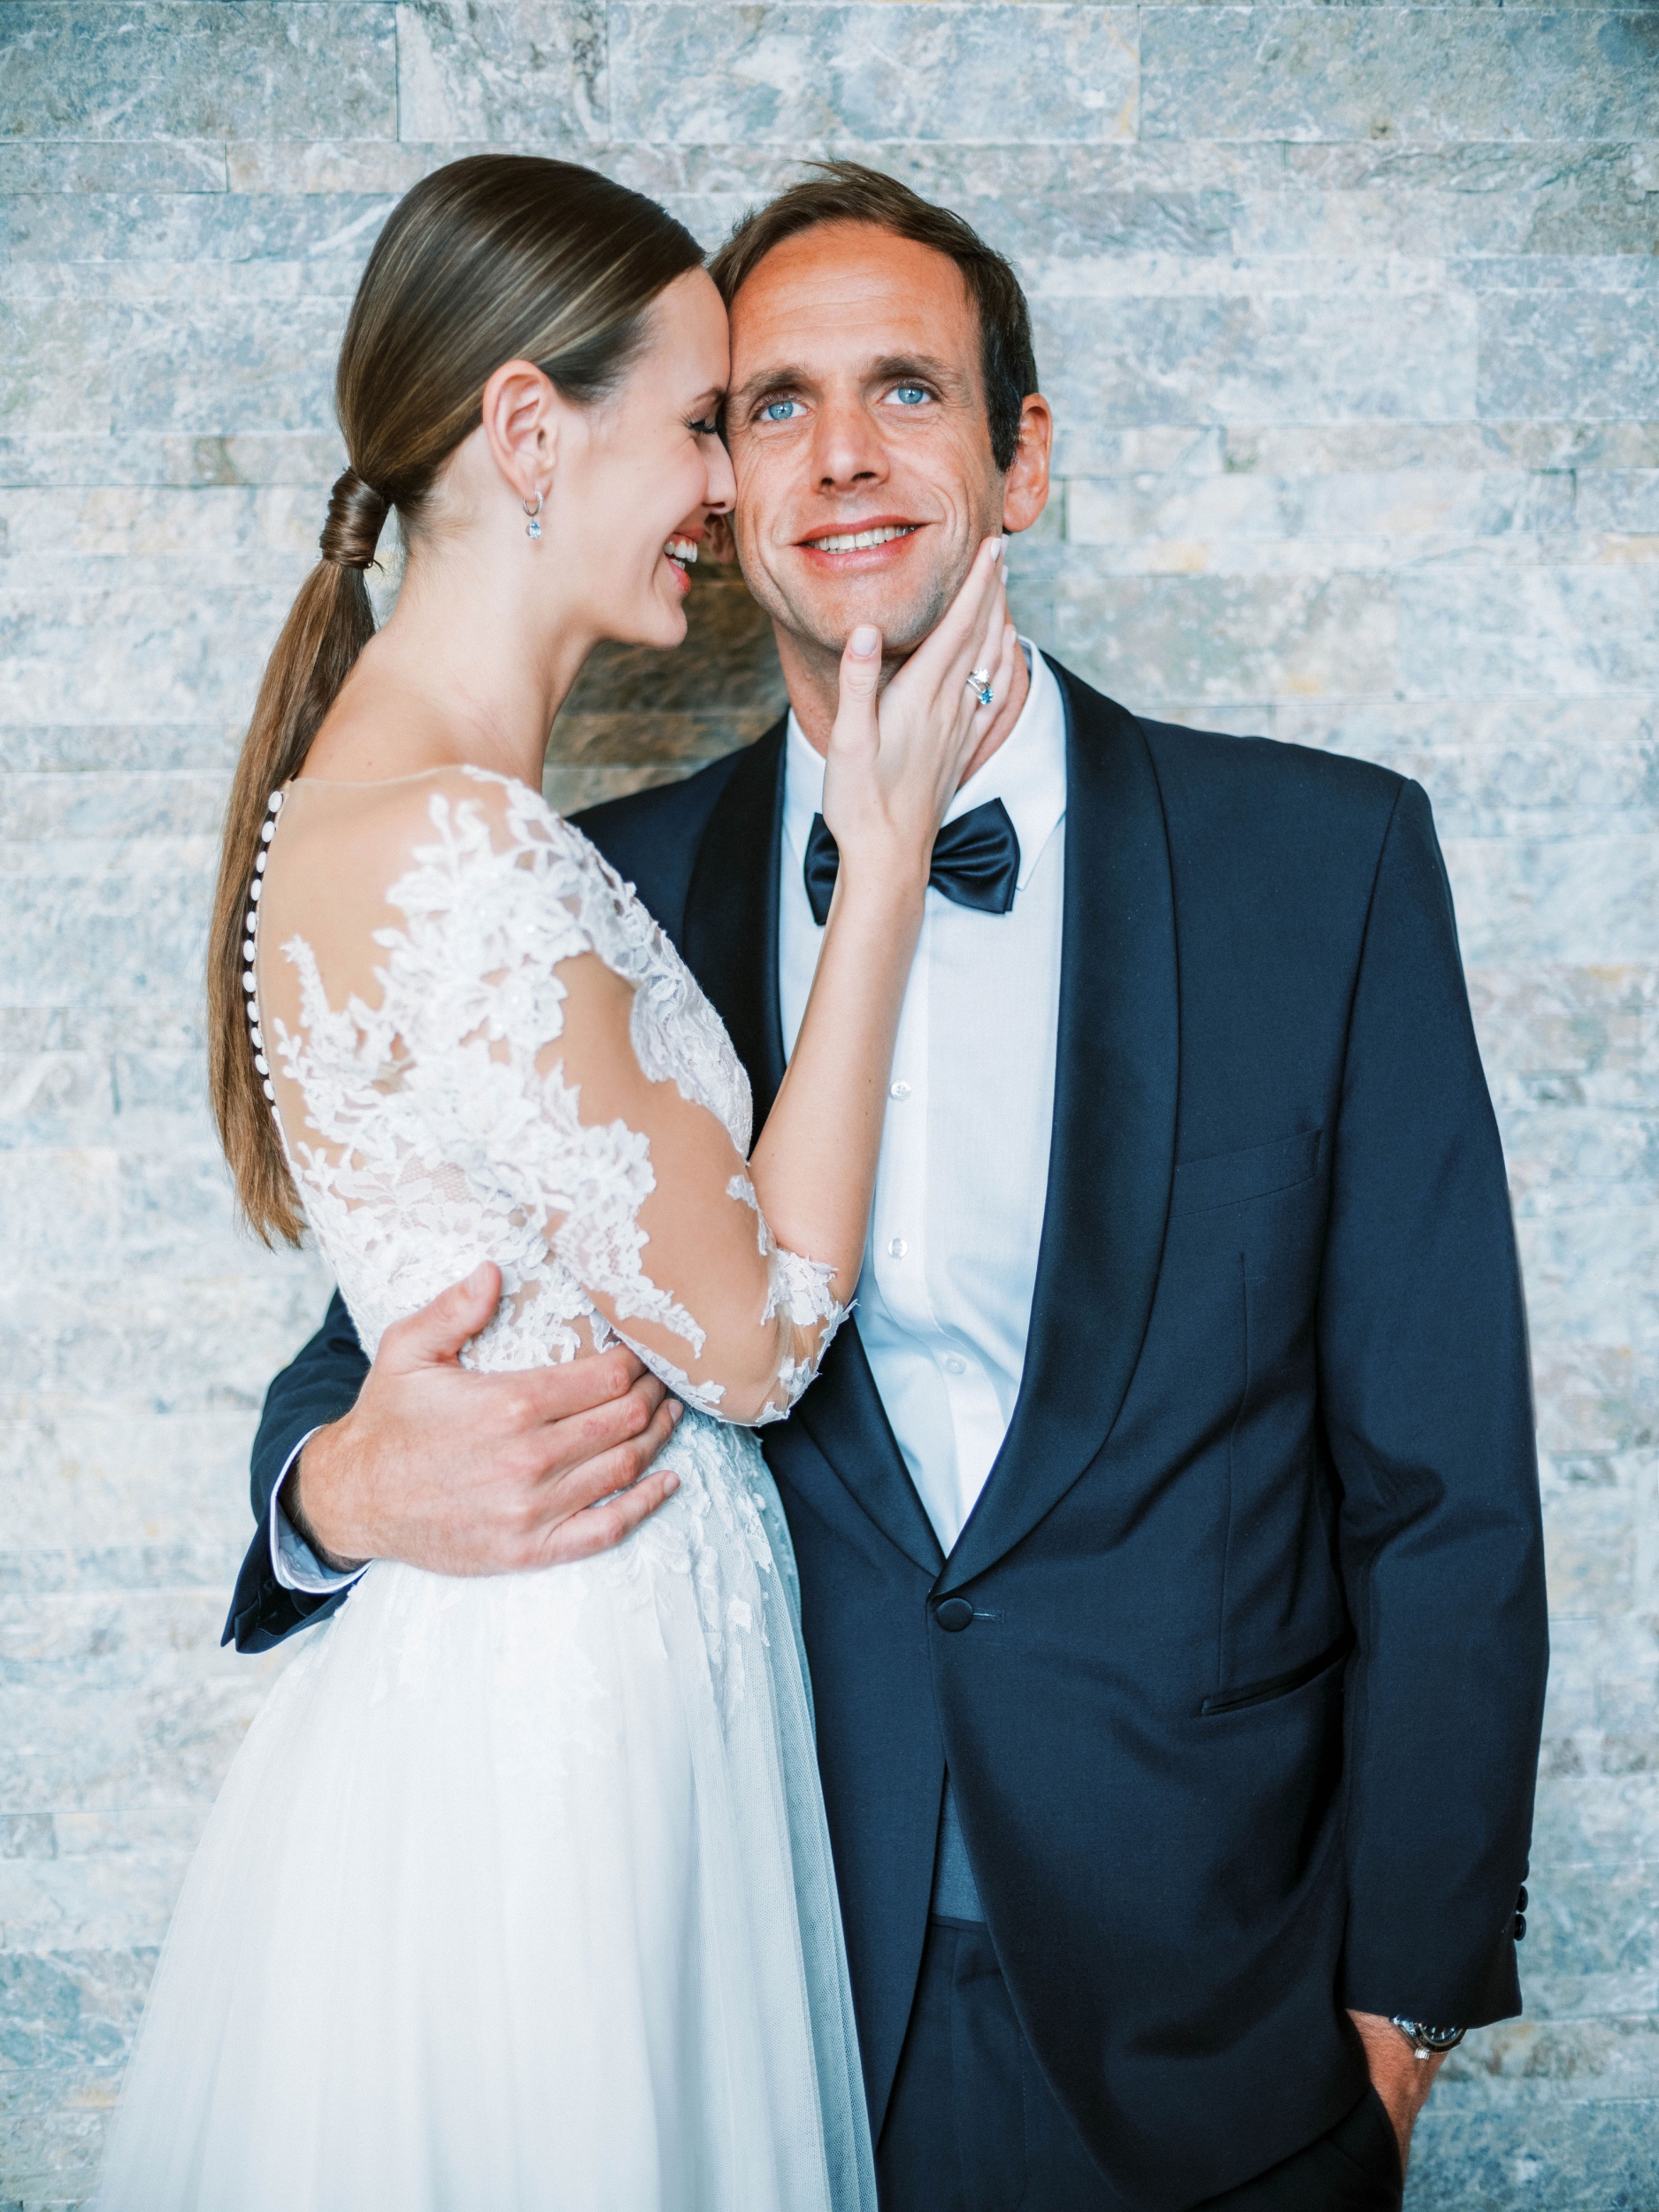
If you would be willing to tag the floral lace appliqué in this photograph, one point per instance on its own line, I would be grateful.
(436, 1135)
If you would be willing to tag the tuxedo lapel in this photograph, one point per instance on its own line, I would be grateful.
(1113, 1131)
(843, 1414)
(730, 943)
(730, 934)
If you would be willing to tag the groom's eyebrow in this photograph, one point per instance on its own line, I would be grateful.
(788, 378)
(917, 368)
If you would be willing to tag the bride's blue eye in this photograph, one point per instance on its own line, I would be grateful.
(774, 409)
(710, 429)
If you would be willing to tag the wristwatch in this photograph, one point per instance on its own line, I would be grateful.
(1425, 2041)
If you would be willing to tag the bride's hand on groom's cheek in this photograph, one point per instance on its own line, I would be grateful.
(471, 1474)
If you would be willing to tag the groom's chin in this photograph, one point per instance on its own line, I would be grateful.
(826, 610)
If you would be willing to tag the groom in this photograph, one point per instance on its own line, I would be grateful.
(1168, 1521)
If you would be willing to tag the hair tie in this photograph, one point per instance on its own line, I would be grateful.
(356, 512)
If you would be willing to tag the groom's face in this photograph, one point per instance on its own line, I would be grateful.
(857, 411)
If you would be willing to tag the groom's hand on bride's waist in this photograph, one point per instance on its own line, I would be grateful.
(473, 1474)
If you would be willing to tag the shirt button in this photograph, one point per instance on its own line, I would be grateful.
(955, 1366)
(897, 1247)
(898, 1090)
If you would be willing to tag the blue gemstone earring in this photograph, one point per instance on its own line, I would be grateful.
(532, 528)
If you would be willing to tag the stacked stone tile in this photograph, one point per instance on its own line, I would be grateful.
(1351, 317)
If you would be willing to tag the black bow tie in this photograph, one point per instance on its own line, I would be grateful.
(976, 861)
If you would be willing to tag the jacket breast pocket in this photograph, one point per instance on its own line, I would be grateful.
(1228, 1178)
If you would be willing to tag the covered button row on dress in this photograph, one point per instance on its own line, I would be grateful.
(250, 946)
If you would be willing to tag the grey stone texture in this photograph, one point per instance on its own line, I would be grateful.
(1350, 314)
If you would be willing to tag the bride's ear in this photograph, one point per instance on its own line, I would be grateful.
(522, 413)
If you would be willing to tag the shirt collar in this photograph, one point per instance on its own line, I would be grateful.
(1026, 772)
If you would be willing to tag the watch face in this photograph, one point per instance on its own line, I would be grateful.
(1430, 2039)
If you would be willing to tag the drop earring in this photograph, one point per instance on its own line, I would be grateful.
(532, 528)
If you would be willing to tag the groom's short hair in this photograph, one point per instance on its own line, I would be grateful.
(846, 192)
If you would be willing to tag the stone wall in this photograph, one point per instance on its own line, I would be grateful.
(1349, 317)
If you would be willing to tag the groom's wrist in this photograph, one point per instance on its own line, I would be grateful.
(1398, 2077)
(305, 1500)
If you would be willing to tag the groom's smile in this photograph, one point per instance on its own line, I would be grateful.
(848, 548)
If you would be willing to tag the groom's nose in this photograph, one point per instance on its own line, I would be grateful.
(848, 450)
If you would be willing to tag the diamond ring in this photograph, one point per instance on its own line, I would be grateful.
(979, 680)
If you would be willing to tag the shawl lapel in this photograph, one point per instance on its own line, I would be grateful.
(730, 933)
(1113, 1147)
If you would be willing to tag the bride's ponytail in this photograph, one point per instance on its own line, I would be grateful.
(499, 257)
(328, 626)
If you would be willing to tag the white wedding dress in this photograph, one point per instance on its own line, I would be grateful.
(519, 1893)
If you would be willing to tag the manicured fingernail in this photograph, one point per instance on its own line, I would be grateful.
(479, 1277)
(864, 641)
(671, 1483)
(674, 1409)
(999, 543)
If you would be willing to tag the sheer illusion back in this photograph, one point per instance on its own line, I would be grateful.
(480, 1046)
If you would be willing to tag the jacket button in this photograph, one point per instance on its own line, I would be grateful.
(1520, 1902)
(954, 1614)
(1520, 1927)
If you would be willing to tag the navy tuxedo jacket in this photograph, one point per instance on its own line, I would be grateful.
(1238, 1664)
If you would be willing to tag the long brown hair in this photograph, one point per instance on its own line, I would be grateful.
(499, 257)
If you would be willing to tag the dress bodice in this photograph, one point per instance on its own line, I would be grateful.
(429, 1048)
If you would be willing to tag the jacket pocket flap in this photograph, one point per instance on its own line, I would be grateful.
(1228, 1178)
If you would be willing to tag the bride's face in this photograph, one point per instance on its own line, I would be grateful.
(645, 473)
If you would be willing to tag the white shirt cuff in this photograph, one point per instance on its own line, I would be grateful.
(293, 1562)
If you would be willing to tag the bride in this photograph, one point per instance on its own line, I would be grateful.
(519, 1893)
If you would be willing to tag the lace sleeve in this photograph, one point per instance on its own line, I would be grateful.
(526, 1071)
(664, 1231)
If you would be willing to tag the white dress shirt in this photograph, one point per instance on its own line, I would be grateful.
(944, 1300)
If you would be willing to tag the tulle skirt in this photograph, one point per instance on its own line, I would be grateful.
(518, 1896)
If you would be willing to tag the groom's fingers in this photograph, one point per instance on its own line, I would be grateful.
(547, 1451)
(467, 1473)
(595, 1499)
(598, 1473)
(436, 1335)
(601, 1527)
(590, 1390)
